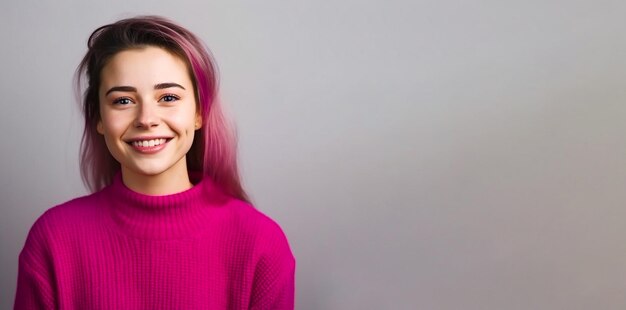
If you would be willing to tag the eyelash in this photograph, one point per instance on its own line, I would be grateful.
(175, 98)
(118, 101)
(172, 98)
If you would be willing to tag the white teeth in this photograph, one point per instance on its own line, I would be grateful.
(147, 143)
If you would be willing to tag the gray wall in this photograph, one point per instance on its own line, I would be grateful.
(418, 154)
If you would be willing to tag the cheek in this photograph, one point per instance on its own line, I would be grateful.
(112, 125)
(186, 122)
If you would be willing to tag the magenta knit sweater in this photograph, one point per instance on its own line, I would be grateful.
(117, 249)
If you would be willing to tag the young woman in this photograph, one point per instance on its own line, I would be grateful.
(168, 225)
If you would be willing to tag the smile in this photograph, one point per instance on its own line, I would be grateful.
(149, 146)
(147, 143)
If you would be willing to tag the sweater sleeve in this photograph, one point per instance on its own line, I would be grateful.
(34, 280)
(33, 291)
(274, 278)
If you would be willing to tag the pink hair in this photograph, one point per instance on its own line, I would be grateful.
(214, 148)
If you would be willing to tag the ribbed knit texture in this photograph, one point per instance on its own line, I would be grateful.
(117, 249)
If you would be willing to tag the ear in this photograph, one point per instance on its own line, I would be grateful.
(99, 127)
(198, 124)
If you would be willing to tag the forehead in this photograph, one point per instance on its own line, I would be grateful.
(144, 67)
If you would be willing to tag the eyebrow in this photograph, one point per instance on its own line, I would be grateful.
(134, 90)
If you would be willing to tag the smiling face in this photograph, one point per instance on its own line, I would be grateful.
(148, 118)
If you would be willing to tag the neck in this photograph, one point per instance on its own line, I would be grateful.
(166, 183)
(178, 215)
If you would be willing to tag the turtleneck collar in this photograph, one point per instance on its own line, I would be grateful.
(176, 216)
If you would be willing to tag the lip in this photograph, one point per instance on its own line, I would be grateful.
(148, 149)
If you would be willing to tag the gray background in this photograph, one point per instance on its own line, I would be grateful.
(418, 154)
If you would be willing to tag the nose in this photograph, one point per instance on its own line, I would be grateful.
(147, 116)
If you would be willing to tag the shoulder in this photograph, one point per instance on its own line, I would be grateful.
(272, 244)
(57, 224)
(73, 212)
(252, 222)
(63, 218)
(248, 217)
